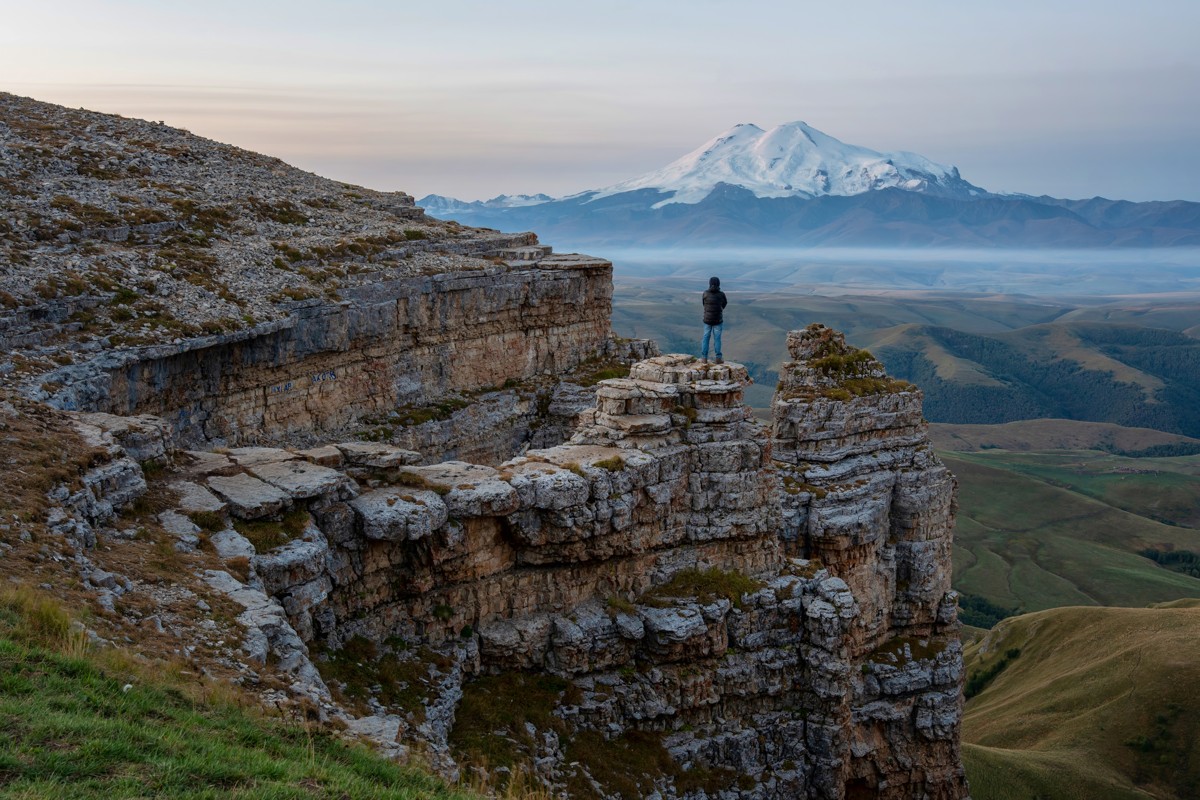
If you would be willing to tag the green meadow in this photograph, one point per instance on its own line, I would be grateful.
(1038, 530)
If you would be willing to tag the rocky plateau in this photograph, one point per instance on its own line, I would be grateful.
(434, 501)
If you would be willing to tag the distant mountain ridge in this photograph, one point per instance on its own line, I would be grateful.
(794, 185)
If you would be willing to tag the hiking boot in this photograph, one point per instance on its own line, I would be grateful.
(704, 361)
(719, 360)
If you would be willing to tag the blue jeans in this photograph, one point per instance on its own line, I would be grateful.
(715, 332)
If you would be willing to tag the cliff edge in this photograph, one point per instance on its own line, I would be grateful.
(430, 500)
(677, 600)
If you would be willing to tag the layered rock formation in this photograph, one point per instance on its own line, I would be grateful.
(405, 342)
(666, 599)
(148, 270)
(720, 623)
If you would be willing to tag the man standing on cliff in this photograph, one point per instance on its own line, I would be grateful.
(714, 303)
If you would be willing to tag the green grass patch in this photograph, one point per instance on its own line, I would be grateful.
(614, 464)
(706, 586)
(403, 680)
(418, 415)
(90, 726)
(615, 604)
(901, 647)
(211, 521)
(266, 534)
(629, 765)
(490, 724)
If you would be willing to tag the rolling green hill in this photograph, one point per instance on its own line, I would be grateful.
(1061, 434)
(1038, 530)
(1086, 704)
(1126, 374)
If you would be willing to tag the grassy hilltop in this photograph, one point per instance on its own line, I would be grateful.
(1086, 704)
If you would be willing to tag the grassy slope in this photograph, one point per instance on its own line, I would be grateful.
(1050, 434)
(70, 728)
(1039, 530)
(1100, 703)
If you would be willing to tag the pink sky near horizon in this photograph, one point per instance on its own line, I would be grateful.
(473, 99)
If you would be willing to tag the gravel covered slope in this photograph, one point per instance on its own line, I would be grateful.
(120, 232)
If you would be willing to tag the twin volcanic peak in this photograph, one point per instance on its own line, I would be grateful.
(795, 186)
(793, 160)
(790, 160)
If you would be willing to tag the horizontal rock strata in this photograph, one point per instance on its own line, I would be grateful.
(789, 622)
(408, 341)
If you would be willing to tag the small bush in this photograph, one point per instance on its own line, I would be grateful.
(978, 681)
(614, 464)
(620, 605)
(266, 535)
(210, 521)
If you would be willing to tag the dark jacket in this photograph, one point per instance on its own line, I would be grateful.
(714, 302)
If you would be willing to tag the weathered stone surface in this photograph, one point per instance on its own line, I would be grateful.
(231, 544)
(303, 480)
(182, 528)
(254, 456)
(325, 456)
(390, 343)
(144, 438)
(374, 454)
(685, 630)
(518, 643)
(204, 463)
(268, 633)
(195, 498)
(399, 514)
(248, 497)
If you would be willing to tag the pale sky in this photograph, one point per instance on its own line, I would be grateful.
(472, 98)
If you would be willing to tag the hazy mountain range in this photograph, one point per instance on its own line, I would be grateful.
(794, 185)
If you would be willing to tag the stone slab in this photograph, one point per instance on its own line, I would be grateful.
(325, 456)
(373, 454)
(194, 498)
(248, 497)
(253, 456)
(301, 479)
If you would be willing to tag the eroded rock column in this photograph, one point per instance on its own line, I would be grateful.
(863, 493)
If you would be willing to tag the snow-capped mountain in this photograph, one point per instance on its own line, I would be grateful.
(796, 186)
(793, 160)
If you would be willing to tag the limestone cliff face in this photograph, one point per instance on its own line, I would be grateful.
(403, 342)
(666, 599)
(729, 611)
(144, 269)
(865, 495)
